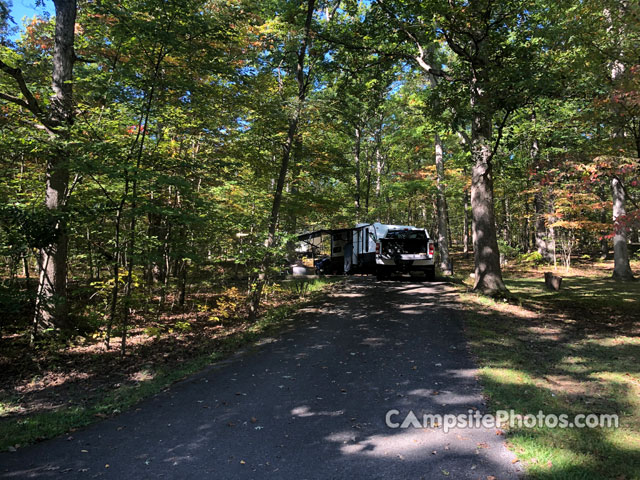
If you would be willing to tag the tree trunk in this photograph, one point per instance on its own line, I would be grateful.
(51, 303)
(367, 192)
(465, 225)
(604, 243)
(183, 282)
(541, 229)
(292, 131)
(544, 244)
(143, 128)
(446, 213)
(506, 226)
(155, 230)
(90, 255)
(621, 269)
(443, 231)
(25, 269)
(525, 228)
(551, 231)
(379, 167)
(358, 135)
(488, 276)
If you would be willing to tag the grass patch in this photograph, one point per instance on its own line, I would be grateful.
(19, 431)
(576, 351)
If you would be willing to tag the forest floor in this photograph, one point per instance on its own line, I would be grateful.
(576, 351)
(62, 385)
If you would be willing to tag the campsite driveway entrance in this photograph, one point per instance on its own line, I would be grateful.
(308, 404)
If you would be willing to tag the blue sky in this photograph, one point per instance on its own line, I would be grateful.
(27, 8)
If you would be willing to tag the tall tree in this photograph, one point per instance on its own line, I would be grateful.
(621, 53)
(302, 81)
(57, 119)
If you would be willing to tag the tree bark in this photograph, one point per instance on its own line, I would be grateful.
(488, 275)
(443, 231)
(604, 243)
(356, 154)
(541, 228)
(506, 225)
(183, 283)
(465, 225)
(525, 228)
(542, 233)
(51, 303)
(621, 269)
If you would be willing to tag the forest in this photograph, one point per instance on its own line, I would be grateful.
(148, 144)
(162, 155)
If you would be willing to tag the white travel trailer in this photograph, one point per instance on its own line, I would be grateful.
(374, 248)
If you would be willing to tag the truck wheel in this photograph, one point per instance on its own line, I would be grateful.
(430, 274)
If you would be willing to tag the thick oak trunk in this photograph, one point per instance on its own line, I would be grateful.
(51, 304)
(488, 276)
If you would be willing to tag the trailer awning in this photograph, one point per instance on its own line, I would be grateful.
(309, 236)
(314, 239)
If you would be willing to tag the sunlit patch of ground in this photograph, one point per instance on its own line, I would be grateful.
(576, 351)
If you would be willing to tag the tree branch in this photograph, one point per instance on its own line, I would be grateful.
(626, 192)
(12, 99)
(500, 130)
(420, 58)
(361, 48)
(464, 138)
(29, 102)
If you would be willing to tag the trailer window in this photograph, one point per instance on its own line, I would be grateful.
(407, 234)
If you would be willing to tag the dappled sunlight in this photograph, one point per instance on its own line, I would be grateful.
(504, 375)
(142, 376)
(305, 411)
(375, 341)
(443, 397)
(574, 351)
(317, 396)
(468, 373)
(408, 444)
(347, 294)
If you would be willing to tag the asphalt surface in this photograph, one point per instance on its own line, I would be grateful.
(310, 403)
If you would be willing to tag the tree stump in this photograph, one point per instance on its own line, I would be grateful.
(553, 282)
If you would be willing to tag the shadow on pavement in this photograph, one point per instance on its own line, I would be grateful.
(309, 404)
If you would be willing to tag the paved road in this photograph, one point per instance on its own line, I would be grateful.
(309, 404)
